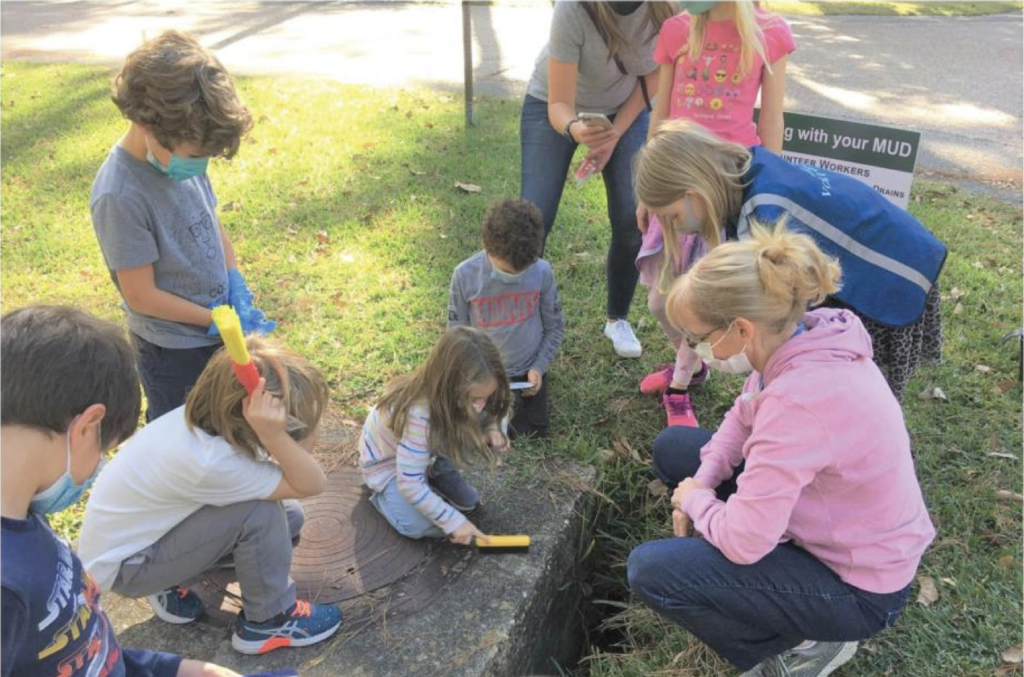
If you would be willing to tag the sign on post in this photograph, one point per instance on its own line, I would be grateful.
(882, 157)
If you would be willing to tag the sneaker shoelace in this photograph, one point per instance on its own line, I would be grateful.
(302, 608)
(679, 405)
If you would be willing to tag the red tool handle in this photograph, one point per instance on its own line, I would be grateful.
(247, 375)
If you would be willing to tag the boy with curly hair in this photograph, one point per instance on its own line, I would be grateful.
(508, 291)
(154, 212)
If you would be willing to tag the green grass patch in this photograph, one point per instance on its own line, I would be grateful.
(347, 225)
(796, 7)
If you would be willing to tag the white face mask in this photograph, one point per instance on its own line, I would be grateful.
(736, 364)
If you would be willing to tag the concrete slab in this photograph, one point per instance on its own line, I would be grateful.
(500, 615)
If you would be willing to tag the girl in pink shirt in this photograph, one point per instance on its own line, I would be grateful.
(806, 499)
(713, 62)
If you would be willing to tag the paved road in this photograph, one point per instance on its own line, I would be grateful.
(957, 80)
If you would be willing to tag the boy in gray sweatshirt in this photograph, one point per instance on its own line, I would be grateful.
(508, 291)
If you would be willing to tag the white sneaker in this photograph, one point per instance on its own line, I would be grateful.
(623, 339)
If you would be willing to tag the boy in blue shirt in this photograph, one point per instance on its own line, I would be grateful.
(155, 213)
(69, 392)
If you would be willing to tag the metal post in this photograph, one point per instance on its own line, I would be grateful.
(467, 60)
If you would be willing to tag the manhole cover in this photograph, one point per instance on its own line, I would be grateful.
(348, 550)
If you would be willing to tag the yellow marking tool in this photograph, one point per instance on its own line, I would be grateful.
(230, 328)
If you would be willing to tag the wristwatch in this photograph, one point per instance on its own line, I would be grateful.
(568, 134)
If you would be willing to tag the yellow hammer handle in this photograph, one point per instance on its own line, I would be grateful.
(230, 329)
(504, 542)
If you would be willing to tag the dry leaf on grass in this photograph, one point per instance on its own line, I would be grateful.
(983, 368)
(657, 488)
(958, 309)
(1005, 495)
(928, 593)
(1014, 654)
(995, 454)
(934, 393)
(1006, 562)
(468, 187)
(322, 237)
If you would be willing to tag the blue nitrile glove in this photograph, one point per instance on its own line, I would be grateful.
(240, 298)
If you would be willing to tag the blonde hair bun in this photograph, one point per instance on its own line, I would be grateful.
(773, 277)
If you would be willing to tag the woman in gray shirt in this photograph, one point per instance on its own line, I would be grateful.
(596, 61)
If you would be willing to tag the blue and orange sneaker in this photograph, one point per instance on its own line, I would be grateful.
(177, 605)
(304, 624)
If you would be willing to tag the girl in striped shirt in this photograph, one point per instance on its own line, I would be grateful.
(442, 416)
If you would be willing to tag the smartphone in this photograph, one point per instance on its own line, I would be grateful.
(595, 120)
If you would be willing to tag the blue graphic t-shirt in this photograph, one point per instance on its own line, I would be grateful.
(141, 217)
(53, 625)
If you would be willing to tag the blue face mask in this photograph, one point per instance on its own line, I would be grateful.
(179, 168)
(64, 492)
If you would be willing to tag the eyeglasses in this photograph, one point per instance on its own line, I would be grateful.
(693, 341)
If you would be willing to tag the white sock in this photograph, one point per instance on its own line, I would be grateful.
(804, 645)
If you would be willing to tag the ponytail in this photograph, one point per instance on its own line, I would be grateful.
(771, 278)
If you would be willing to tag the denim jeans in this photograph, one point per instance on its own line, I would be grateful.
(546, 159)
(747, 613)
(404, 517)
(168, 373)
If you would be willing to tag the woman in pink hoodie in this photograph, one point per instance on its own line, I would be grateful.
(811, 517)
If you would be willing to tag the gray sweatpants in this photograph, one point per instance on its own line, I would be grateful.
(254, 536)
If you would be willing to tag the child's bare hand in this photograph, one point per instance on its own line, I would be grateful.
(265, 413)
(467, 534)
(536, 378)
(497, 441)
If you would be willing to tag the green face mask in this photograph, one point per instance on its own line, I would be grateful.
(695, 8)
(179, 168)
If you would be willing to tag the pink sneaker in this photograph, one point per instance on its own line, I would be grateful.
(658, 380)
(702, 375)
(680, 410)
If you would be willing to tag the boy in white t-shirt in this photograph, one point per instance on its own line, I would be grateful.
(207, 483)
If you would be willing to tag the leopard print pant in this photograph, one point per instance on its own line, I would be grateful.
(900, 350)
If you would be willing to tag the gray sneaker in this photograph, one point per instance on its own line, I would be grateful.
(820, 660)
(770, 667)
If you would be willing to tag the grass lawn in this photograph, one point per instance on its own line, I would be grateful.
(882, 8)
(347, 224)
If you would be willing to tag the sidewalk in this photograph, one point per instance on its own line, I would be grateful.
(957, 80)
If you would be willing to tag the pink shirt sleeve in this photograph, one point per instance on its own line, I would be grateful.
(781, 461)
(724, 451)
(777, 36)
(674, 34)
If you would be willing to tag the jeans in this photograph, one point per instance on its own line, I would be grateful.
(256, 536)
(168, 373)
(747, 613)
(405, 518)
(546, 158)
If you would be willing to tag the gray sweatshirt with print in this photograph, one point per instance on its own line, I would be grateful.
(523, 318)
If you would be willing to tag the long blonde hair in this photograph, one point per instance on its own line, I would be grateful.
(214, 405)
(682, 156)
(463, 358)
(606, 22)
(771, 278)
(752, 39)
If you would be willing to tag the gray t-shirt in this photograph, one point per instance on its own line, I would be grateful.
(523, 318)
(600, 86)
(140, 216)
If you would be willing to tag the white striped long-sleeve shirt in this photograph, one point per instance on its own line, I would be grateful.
(407, 460)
